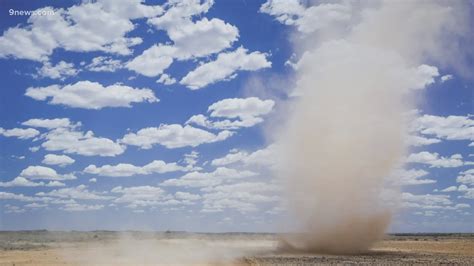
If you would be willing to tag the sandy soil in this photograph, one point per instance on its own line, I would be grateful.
(140, 248)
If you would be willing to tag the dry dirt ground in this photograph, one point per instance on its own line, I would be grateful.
(177, 248)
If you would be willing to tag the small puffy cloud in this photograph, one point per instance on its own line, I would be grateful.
(49, 123)
(73, 141)
(449, 128)
(142, 196)
(124, 169)
(132, 9)
(200, 120)
(153, 61)
(230, 158)
(104, 64)
(261, 158)
(241, 107)
(425, 75)
(76, 207)
(35, 205)
(38, 173)
(225, 67)
(450, 189)
(427, 201)
(265, 157)
(239, 196)
(23, 182)
(308, 19)
(446, 78)
(166, 79)
(468, 191)
(41, 172)
(21, 133)
(186, 196)
(93, 180)
(77, 193)
(13, 196)
(418, 141)
(173, 136)
(462, 206)
(61, 160)
(205, 179)
(202, 38)
(251, 187)
(54, 183)
(427, 213)
(466, 177)
(13, 209)
(59, 71)
(432, 202)
(285, 11)
(179, 12)
(34, 149)
(190, 159)
(435, 160)
(245, 112)
(411, 177)
(91, 95)
(113, 170)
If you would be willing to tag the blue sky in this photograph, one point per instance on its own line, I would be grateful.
(159, 120)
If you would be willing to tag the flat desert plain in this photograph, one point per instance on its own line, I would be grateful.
(181, 248)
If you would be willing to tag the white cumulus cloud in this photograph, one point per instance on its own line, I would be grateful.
(243, 196)
(166, 79)
(61, 160)
(21, 133)
(36, 172)
(59, 71)
(205, 179)
(466, 177)
(91, 26)
(225, 67)
(435, 160)
(153, 61)
(261, 158)
(76, 207)
(190, 39)
(411, 177)
(91, 95)
(104, 64)
(308, 19)
(24, 182)
(124, 169)
(50, 123)
(173, 136)
(244, 112)
(449, 127)
(80, 193)
(142, 196)
(74, 141)
(417, 141)
(446, 78)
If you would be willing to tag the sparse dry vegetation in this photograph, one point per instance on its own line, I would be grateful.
(181, 248)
